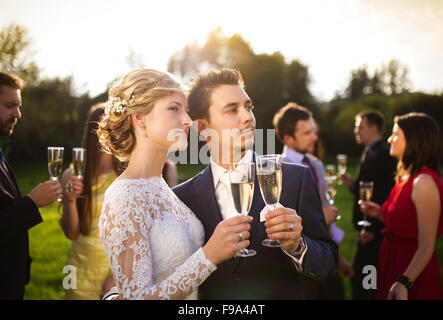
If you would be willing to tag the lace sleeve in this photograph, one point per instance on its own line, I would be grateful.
(124, 228)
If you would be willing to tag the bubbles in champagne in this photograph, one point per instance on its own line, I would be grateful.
(270, 185)
(55, 168)
(79, 167)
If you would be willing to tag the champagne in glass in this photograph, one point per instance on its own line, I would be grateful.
(366, 189)
(270, 185)
(330, 170)
(241, 177)
(331, 192)
(78, 161)
(55, 162)
(270, 180)
(342, 163)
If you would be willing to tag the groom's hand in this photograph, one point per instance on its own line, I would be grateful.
(284, 224)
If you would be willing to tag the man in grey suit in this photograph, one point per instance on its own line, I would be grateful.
(296, 129)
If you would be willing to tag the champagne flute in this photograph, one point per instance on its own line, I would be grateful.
(241, 178)
(331, 192)
(270, 181)
(79, 161)
(55, 162)
(330, 170)
(366, 189)
(342, 163)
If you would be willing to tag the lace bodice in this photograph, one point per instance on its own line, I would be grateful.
(152, 240)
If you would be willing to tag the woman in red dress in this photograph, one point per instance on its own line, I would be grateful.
(408, 266)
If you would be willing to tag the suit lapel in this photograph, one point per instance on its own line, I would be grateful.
(208, 209)
(8, 184)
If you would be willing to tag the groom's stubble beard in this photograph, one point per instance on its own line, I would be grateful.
(230, 147)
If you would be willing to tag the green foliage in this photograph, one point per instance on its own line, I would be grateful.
(390, 79)
(15, 54)
(51, 116)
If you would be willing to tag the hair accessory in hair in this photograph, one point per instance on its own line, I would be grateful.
(117, 105)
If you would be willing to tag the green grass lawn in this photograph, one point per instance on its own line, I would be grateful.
(49, 247)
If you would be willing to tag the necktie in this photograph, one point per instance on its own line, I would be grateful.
(2, 159)
(309, 163)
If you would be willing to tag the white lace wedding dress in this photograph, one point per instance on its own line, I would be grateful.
(153, 241)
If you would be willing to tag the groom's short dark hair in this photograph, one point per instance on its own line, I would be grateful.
(199, 98)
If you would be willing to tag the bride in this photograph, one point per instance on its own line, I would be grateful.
(154, 243)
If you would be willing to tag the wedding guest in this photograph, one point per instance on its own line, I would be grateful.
(17, 214)
(408, 266)
(82, 204)
(153, 241)
(220, 104)
(296, 128)
(378, 166)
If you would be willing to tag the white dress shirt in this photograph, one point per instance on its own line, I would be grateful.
(226, 204)
(222, 186)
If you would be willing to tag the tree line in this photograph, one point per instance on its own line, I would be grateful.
(54, 114)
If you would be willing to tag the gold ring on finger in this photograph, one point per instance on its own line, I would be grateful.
(291, 227)
(241, 237)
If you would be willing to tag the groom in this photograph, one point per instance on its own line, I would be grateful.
(220, 104)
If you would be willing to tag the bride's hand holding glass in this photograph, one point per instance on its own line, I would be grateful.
(229, 237)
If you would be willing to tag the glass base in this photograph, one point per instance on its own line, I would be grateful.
(270, 243)
(364, 223)
(246, 253)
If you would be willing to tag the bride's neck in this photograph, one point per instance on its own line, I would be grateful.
(146, 160)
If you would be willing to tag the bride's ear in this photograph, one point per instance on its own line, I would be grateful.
(138, 120)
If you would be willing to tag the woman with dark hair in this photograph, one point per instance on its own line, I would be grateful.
(81, 214)
(408, 266)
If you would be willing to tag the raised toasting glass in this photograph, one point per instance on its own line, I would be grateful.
(330, 170)
(270, 180)
(342, 165)
(55, 163)
(366, 190)
(241, 178)
(79, 161)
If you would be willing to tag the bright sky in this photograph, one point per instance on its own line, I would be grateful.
(91, 39)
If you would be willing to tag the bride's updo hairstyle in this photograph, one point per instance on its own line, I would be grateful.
(135, 93)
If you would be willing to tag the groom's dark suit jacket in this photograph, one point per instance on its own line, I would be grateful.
(270, 274)
(17, 215)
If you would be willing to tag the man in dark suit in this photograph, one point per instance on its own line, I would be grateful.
(224, 112)
(17, 213)
(378, 166)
